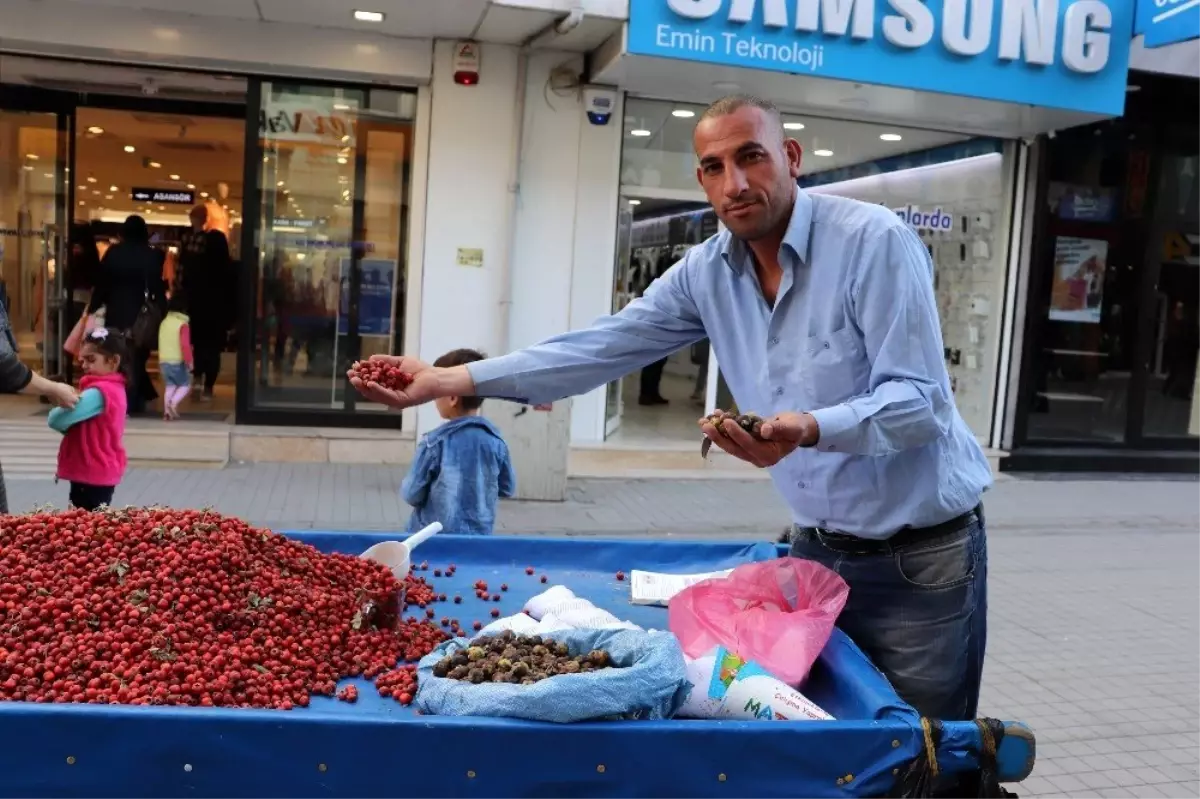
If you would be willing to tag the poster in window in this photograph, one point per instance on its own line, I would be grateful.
(1077, 293)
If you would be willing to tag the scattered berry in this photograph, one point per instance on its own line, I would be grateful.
(529, 570)
(495, 613)
(503, 586)
(457, 599)
(545, 578)
(437, 572)
(620, 576)
(477, 625)
(495, 597)
(348, 694)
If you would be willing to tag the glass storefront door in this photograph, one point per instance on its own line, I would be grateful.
(1113, 334)
(33, 198)
(332, 186)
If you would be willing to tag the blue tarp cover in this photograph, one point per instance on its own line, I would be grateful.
(379, 748)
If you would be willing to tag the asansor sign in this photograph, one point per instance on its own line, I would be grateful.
(162, 196)
(1071, 54)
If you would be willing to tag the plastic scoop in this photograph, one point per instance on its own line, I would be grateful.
(397, 555)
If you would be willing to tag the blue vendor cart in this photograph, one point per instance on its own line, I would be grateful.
(878, 746)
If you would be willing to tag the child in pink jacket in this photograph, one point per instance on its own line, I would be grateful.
(92, 453)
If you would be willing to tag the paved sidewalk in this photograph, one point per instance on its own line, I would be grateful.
(1094, 590)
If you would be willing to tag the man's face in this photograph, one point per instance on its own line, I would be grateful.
(748, 170)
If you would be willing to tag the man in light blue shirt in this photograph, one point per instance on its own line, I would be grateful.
(822, 313)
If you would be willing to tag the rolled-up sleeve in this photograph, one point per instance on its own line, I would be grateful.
(909, 403)
(663, 320)
(14, 375)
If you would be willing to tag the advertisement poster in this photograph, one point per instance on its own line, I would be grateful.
(375, 297)
(1078, 289)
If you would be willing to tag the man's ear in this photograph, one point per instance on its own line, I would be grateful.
(795, 155)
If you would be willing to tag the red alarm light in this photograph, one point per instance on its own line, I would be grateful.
(466, 63)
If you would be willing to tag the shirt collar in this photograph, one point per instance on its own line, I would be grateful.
(795, 238)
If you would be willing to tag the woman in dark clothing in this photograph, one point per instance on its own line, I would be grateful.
(83, 269)
(130, 274)
(205, 261)
(16, 378)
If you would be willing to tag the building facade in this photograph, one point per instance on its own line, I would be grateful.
(430, 180)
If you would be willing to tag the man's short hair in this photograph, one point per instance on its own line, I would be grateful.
(734, 102)
(462, 357)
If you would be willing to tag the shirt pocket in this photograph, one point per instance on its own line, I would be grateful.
(833, 367)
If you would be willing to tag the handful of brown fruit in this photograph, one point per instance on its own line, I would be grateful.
(517, 659)
(750, 422)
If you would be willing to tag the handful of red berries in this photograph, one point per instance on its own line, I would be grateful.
(390, 377)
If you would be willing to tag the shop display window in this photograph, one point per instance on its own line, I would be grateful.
(955, 192)
(333, 187)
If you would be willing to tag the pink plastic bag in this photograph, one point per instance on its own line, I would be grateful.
(777, 613)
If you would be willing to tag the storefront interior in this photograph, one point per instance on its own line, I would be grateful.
(1113, 322)
(967, 183)
(313, 209)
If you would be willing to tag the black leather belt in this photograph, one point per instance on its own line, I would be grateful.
(852, 544)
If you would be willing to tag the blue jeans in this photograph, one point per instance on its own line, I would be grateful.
(918, 610)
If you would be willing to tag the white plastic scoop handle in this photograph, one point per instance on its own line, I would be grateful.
(397, 555)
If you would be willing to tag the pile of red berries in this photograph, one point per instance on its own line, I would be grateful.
(400, 684)
(379, 372)
(188, 607)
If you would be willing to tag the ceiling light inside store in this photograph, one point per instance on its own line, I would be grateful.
(793, 126)
(95, 130)
(112, 188)
(890, 137)
(31, 156)
(368, 16)
(823, 153)
(635, 202)
(174, 177)
(27, 168)
(108, 196)
(155, 165)
(91, 179)
(81, 202)
(639, 132)
(191, 185)
(48, 174)
(280, 183)
(129, 148)
(340, 107)
(203, 194)
(683, 113)
(341, 159)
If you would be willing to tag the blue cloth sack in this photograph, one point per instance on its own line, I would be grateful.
(650, 682)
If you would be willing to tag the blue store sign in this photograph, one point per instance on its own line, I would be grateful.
(1167, 21)
(1070, 54)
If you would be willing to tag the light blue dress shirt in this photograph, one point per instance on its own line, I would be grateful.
(853, 339)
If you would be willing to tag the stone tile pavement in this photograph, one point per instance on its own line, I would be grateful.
(1094, 590)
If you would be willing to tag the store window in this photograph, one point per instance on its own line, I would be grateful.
(333, 213)
(1114, 322)
(955, 192)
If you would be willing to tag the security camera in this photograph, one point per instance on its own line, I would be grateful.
(599, 104)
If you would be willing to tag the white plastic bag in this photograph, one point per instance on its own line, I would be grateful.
(726, 687)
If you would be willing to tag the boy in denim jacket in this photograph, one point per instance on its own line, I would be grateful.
(461, 468)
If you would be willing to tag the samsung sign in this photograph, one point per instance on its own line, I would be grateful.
(1071, 54)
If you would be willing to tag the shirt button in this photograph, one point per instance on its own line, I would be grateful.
(830, 448)
(779, 391)
(826, 345)
(801, 484)
(774, 339)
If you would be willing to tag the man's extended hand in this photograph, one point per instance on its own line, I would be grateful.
(423, 388)
(782, 434)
